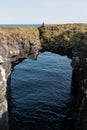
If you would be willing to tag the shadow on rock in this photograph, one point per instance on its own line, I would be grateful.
(4, 122)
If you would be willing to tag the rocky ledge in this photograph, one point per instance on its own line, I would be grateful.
(18, 43)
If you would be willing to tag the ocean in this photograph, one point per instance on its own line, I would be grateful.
(24, 25)
(21, 25)
(41, 94)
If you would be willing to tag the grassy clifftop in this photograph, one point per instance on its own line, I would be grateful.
(65, 31)
(64, 36)
(17, 34)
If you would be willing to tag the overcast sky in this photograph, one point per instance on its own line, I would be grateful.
(37, 11)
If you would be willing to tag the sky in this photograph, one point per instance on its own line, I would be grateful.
(47, 11)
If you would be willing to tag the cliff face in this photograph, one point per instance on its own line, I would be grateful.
(14, 47)
(18, 43)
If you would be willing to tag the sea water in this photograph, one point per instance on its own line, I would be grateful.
(41, 94)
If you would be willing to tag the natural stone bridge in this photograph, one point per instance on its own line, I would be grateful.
(18, 43)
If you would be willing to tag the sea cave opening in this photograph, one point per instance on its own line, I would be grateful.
(40, 95)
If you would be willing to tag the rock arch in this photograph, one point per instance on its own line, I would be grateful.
(18, 43)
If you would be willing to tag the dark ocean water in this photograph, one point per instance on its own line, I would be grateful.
(41, 97)
(25, 25)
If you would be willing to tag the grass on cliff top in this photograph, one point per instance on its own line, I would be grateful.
(64, 35)
(31, 34)
(56, 30)
(18, 33)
